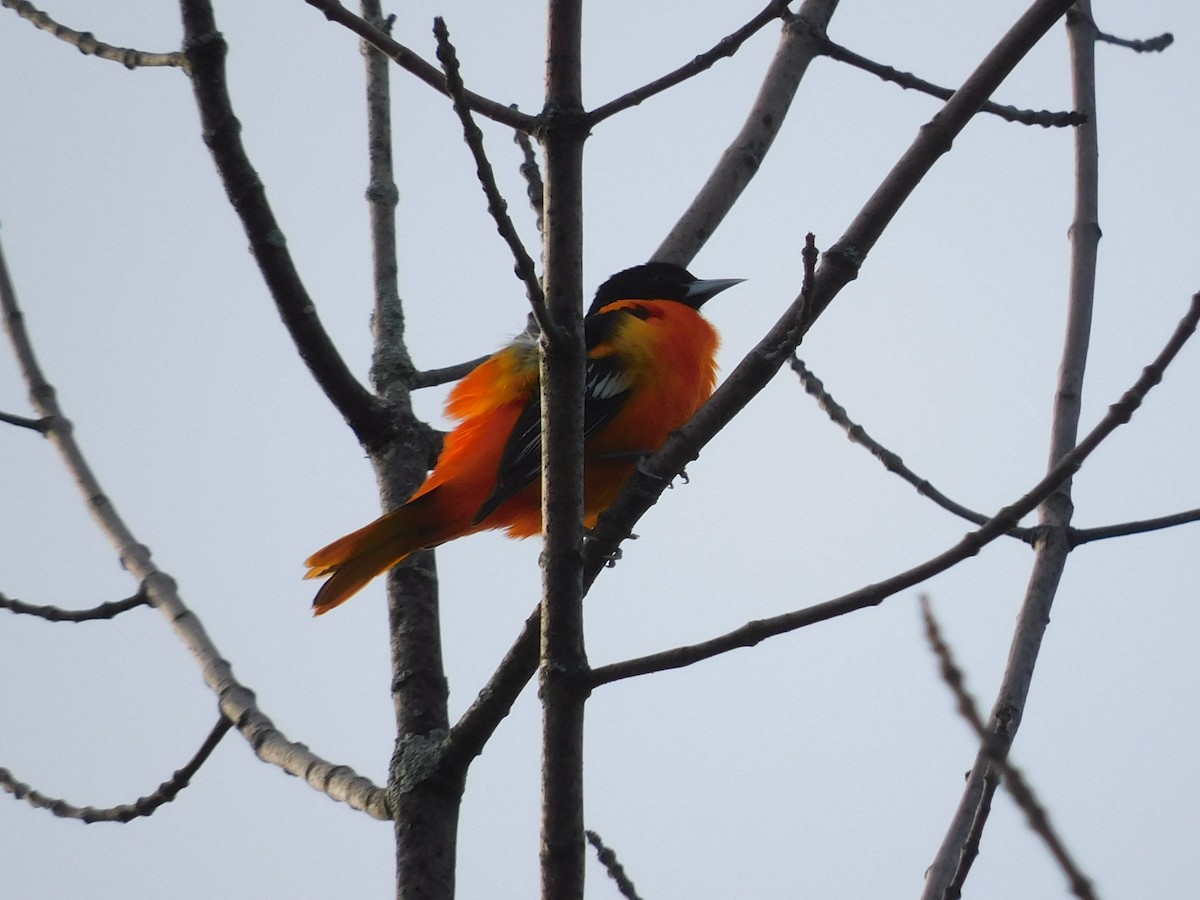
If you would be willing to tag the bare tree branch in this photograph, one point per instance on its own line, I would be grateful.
(1149, 45)
(970, 847)
(206, 50)
(1087, 535)
(434, 377)
(532, 173)
(236, 702)
(907, 80)
(38, 425)
(950, 865)
(392, 369)
(799, 45)
(839, 266)
(872, 595)
(1153, 45)
(143, 806)
(412, 63)
(424, 809)
(497, 206)
(613, 866)
(109, 610)
(726, 47)
(760, 365)
(1014, 781)
(88, 45)
(891, 461)
(563, 665)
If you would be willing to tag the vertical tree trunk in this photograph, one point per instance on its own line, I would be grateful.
(563, 660)
(424, 799)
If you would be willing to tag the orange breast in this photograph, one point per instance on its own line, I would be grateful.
(670, 356)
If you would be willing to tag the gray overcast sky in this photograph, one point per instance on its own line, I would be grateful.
(824, 763)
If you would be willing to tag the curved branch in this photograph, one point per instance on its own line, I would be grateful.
(87, 44)
(206, 50)
(412, 63)
(143, 806)
(891, 461)
(109, 610)
(236, 701)
(726, 47)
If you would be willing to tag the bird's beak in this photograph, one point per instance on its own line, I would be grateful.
(705, 289)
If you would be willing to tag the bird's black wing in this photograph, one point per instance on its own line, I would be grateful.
(606, 387)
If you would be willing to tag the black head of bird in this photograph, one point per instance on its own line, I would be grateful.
(660, 281)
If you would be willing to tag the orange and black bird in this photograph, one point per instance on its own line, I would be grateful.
(650, 365)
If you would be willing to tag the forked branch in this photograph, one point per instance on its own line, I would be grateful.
(236, 701)
(206, 50)
(414, 64)
(872, 595)
(839, 267)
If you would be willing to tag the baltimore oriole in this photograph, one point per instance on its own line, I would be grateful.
(650, 365)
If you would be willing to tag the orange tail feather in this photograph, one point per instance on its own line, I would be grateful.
(351, 562)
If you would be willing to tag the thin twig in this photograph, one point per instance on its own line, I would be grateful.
(434, 377)
(809, 257)
(907, 80)
(109, 610)
(39, 425)
(891, 461)
(143, 806)
(412, 63)
(613, 866)
(726, 47)
(757, 631)
(87, 44)
(974, 839)
(1014, 781)
(497, 206)
(535, 188)
(1153, 45)
(391, 365)
(1087, 535)
(236, 702)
